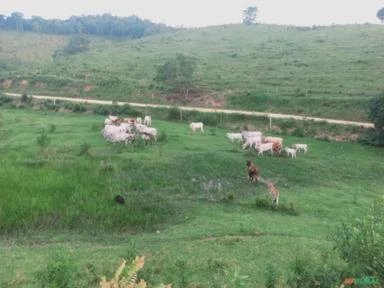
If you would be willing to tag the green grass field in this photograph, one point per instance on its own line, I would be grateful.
(189, 207)
(321, 71)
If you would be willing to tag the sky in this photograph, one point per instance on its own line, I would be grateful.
(201, 13)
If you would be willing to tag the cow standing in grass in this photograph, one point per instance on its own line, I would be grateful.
(253, 172)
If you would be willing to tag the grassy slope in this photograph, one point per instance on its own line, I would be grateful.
(327, 71)
(62, 201)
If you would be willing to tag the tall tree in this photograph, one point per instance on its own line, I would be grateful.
(380, 15)
(249, 15)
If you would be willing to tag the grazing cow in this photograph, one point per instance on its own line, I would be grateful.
(252, 142)
(250, 134)
(290, 152)
(197, 125)
(253, 172)
(235, 137)
(148, 120)
(276, 147)
(299, 147)
(274, 193)
(264, 147)
(139, 120)
(273, 139)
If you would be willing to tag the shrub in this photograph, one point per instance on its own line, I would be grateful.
(51, 128)
(25, 99)
(361, 242)
(101, 110)
(105, 167)
(84, 149)
(162, 136)
(59, 273)
(322, 273)
(43, 139)
(271, 276)
(174, 114)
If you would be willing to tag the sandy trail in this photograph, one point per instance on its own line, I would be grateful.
(229, 111)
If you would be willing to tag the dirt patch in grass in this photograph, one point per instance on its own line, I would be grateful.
(7, 83)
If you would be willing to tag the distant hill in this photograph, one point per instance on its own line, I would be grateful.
(320, 71)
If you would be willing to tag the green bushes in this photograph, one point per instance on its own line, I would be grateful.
(43, 139)
(59, 272)
(361, 242)
(116, 110)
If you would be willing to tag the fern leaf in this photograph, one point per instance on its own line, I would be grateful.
(120, 270)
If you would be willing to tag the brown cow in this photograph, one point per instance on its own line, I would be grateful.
(253, 171)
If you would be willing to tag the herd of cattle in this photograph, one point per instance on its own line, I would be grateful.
(128, 130)
(256, 140)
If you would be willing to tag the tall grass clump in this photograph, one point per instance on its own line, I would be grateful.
(360, 242)
(84, 149)
(271, 276)
(306, 271)
(43, 139)
(59, 272)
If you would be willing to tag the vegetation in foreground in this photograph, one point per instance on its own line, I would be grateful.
(189, 207)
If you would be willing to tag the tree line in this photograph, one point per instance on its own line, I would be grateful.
(104, 25)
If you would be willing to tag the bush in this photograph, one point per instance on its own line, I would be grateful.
(84, 149)
(309, 272)
(59, 273)
(162, 136)
(51, 128)
(43, 139)
(174, 114)
(49, 105)
(25, 99)
(361, 242)
(101, 110)
(271, 276)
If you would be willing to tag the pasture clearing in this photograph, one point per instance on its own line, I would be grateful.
(189, 207)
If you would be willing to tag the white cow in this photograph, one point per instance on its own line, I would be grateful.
(197, 125)
(139, 120)
(299, 147)
(250, 134)
(235, 137)
(148, 120)
(252, 142)
(290, 152)
(274, 139)
(264, 147)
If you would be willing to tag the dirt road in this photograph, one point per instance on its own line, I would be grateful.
(254, 113)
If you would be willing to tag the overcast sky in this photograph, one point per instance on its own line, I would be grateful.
(199, 13)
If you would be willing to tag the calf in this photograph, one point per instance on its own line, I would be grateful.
(274, 193)
(290, 152)
(197, 125)
(235, 137)
(299, 147)
(148, 120)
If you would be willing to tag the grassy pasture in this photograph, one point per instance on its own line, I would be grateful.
(321, 71)
(189, 207)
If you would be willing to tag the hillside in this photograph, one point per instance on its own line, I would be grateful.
(318, 71)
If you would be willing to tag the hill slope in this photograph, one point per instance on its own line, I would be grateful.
(319, 71)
